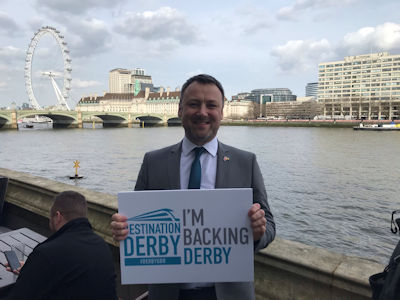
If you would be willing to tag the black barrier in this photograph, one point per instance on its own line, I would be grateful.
(3, 189)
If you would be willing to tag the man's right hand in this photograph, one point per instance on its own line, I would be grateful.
(17, 271)
(119, 227)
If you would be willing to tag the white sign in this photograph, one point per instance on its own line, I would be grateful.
(187, 236)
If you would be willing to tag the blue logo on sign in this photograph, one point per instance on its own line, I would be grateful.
(153, 239)
(158, 215)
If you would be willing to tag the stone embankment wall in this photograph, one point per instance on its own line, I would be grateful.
(285, 270)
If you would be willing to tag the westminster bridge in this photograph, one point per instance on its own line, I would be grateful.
(75, 119)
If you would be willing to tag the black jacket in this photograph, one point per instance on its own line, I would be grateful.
(391, 287)
(73, 263)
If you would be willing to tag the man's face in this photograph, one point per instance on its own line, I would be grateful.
(201, 112)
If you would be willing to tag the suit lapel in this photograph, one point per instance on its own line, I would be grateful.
(174, 161)
(223, 166)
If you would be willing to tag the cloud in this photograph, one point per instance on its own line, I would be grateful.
(7, 25)
(301, 55)
(36, 22)
(384, 37)
(163, 24)
(256, 18)
(291, 12)
(87, 37)
(3, 86)
(77, 83)
(11, 53)
(75, 7)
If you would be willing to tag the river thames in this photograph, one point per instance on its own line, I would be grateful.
(328, 187)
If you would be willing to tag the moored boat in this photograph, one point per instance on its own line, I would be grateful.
(378, 127)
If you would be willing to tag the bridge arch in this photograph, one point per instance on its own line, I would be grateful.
(60, 119)
(4, 120)
(174, 122)
(111, 120)
(148, 121)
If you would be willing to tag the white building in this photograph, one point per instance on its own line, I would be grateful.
(361, 86)
(124, 81)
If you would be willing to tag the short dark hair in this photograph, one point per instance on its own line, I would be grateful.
(70, 204)
(203, 79)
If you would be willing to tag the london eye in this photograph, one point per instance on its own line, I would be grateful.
(62, 74)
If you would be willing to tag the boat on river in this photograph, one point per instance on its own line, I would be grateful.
(37, 122)
(37, 119)
(378, 127)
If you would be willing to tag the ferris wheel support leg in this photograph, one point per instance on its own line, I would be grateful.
(59, 95)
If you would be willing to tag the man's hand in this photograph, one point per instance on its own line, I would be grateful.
(258, 221)
(16, 272)
(119, 227)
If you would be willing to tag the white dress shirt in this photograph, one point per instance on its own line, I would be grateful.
(208, 162)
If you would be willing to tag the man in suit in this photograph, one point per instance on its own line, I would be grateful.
(221, 166)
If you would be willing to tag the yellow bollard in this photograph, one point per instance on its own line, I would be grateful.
(76, 166)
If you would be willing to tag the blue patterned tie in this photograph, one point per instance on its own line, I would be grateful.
(195, 171)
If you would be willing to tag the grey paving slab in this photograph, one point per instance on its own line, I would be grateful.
(33, 235)
(4, 247)
(25, 236)
(25, 240)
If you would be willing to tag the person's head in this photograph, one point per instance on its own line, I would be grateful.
(67, 206)
(201, 108)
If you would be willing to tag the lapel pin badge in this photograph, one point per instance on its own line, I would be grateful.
(226, 158)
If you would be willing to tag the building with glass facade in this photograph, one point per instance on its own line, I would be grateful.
(361, 86)
(312, 89)
(271, 95)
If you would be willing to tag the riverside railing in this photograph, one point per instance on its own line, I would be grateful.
(284, 270)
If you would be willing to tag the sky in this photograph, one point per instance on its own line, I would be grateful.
(245, 44)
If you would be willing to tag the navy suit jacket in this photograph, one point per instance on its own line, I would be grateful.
(161, 171)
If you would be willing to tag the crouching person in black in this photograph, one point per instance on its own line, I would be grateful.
(73, 263)
(386, 285)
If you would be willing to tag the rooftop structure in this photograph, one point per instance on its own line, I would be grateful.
(128, 81)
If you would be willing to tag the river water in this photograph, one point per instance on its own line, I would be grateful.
(327, 187)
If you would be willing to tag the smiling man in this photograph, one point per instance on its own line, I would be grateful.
(201, 161)
(201, 112)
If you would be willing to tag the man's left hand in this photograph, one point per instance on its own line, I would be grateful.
(258, 221)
